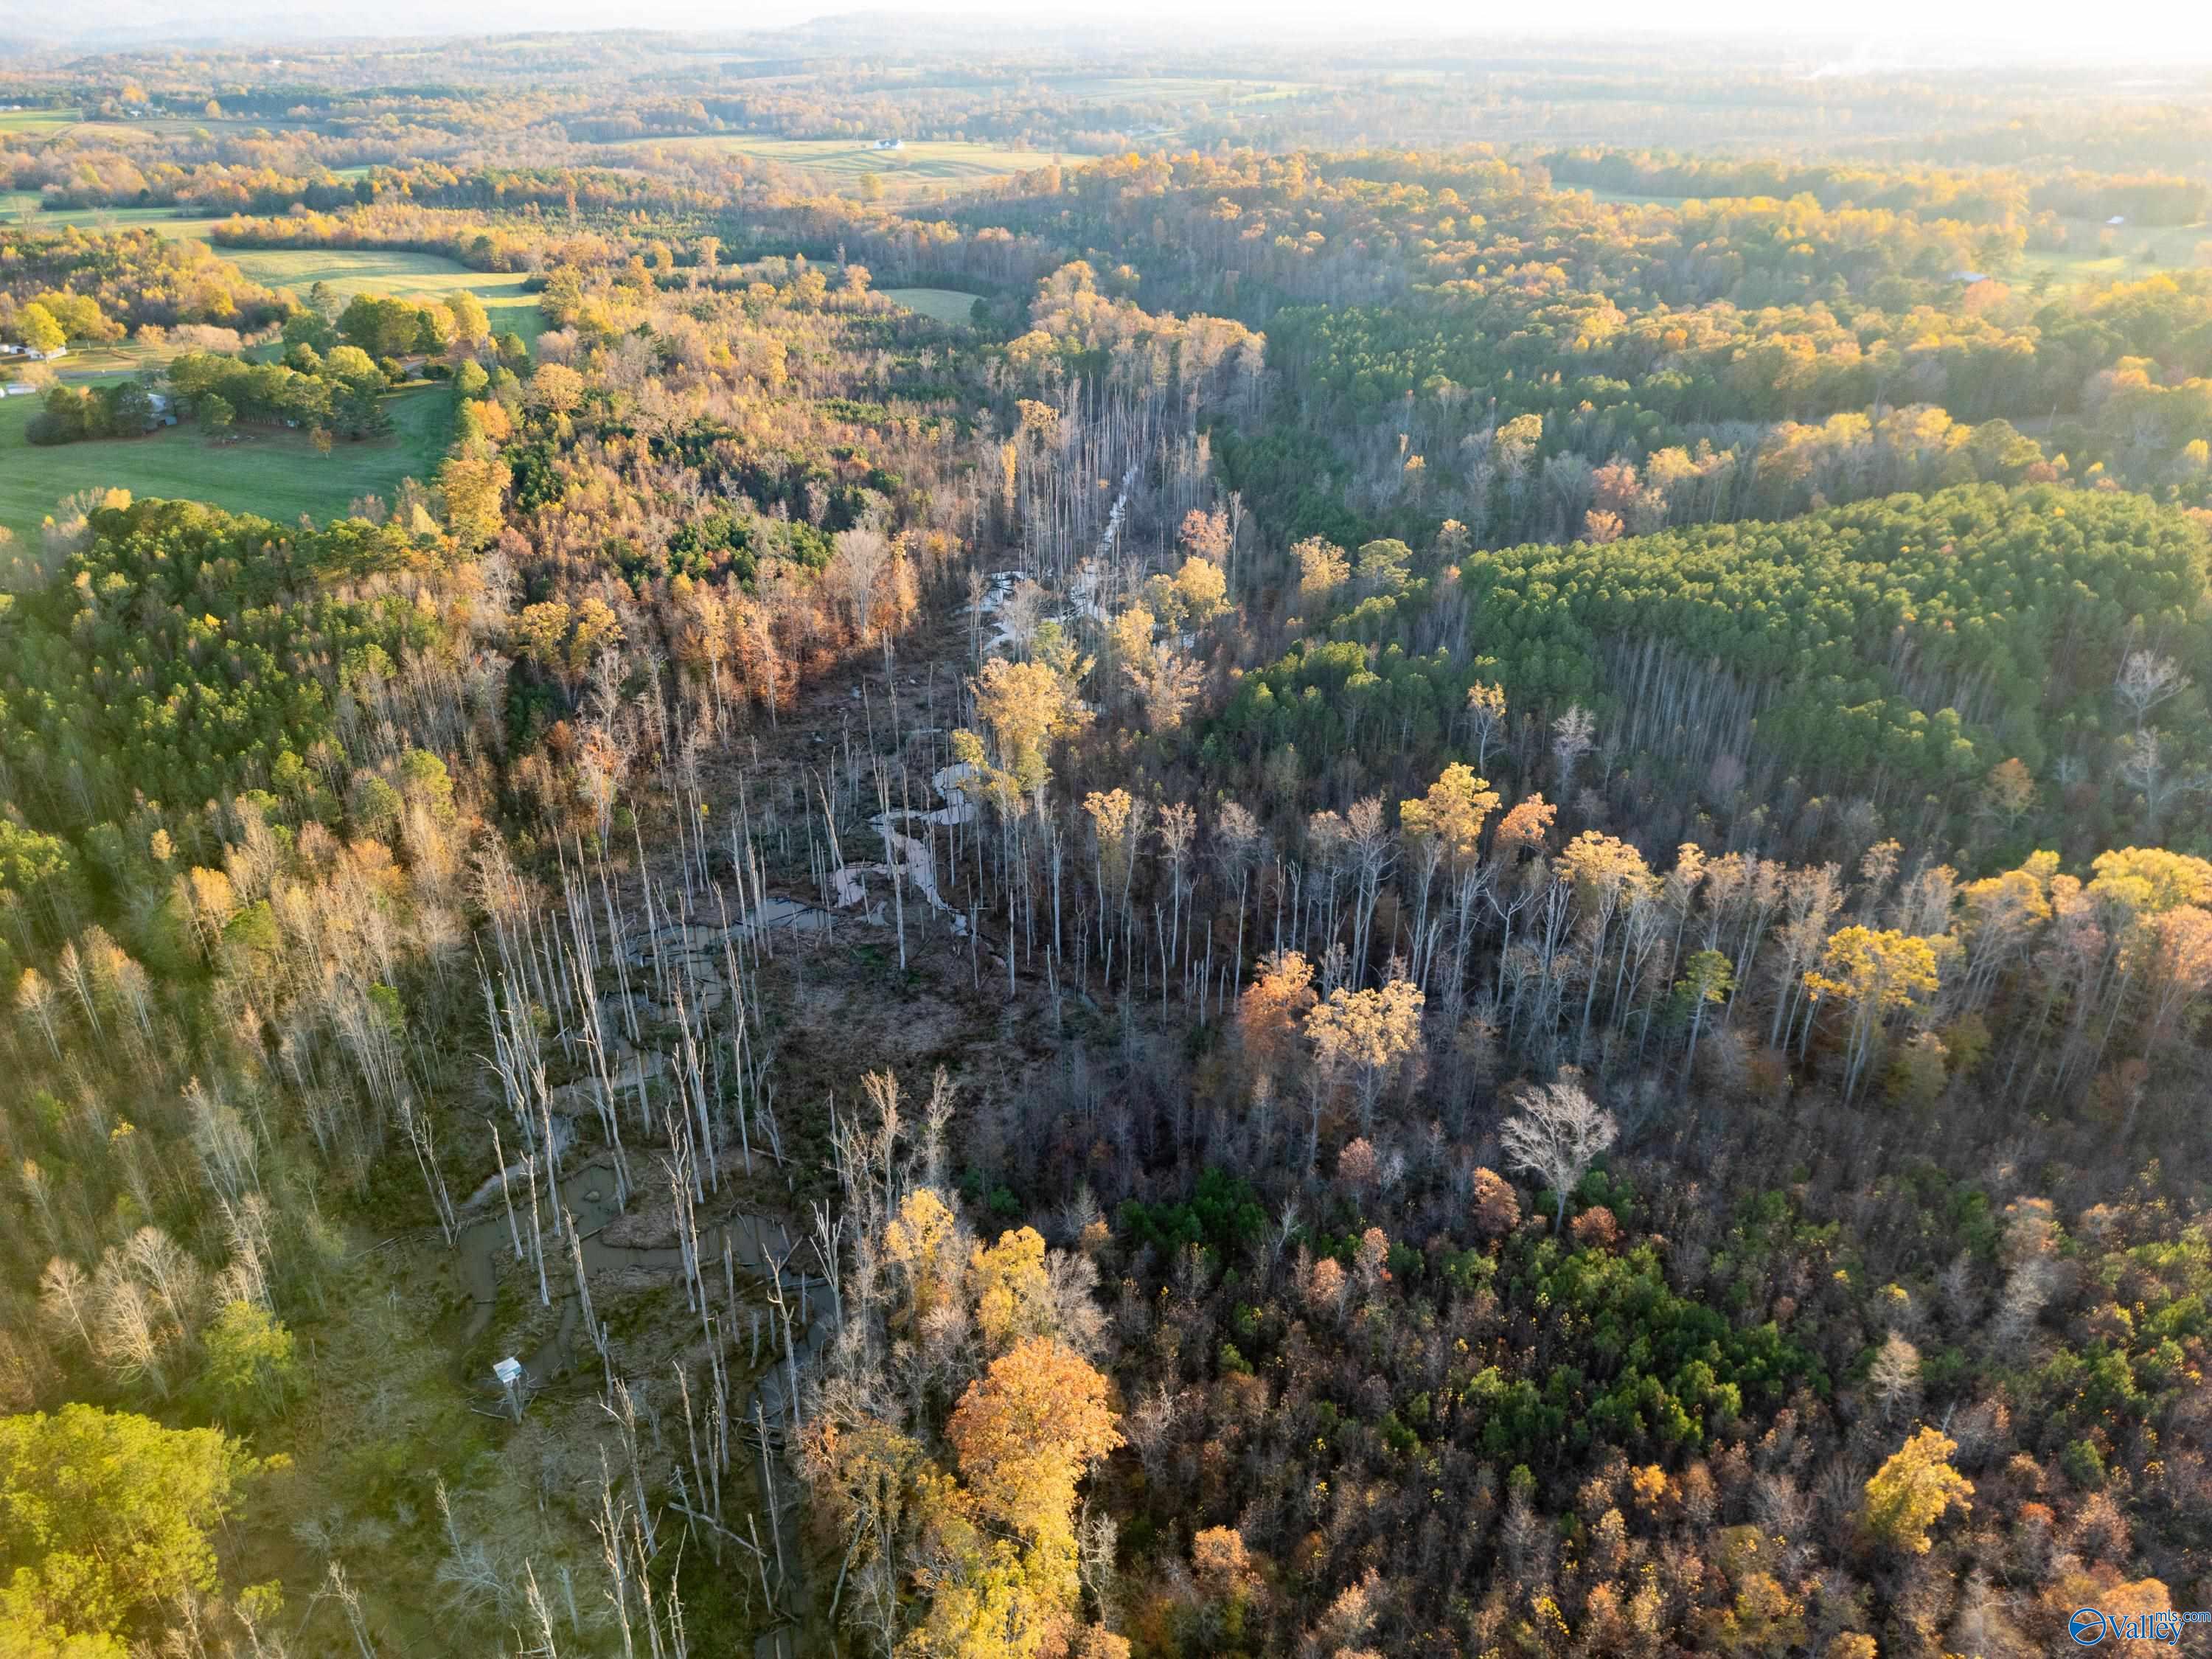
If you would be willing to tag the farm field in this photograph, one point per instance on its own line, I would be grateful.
(22, 206)
(947, 305)
(274, 473)
(1623, 198)
(2131, 252)
(106, 362)
(38, 121)
(1123, 89)
(918, 164)
(349, 271)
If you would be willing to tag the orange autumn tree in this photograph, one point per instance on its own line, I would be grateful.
(1001, 1572)
(1273, 1009)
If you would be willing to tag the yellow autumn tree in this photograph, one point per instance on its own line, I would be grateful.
(1608, 872)
(1323, 569)
(1023, 706)
(1129, 637)
(1486, 717)
(1998, 916)
(1164, 678)
(921, 1242)
(1202, 589)
(1025, 1432)
(1872, 974)
(1001, 1577)
(1117, 824)
(1447, 821)
(1012, 1289)
(2147, 880)
(1443, 828)
(1523, 828)
(866, 1477)
(2181, 971)
(1369, 1032)
(1910, 1492)
(473, 487)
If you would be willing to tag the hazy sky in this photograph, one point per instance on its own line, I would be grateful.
(1879, 33)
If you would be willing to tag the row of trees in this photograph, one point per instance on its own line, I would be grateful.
(92, 284)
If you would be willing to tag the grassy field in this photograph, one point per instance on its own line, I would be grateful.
(38, 121)
(1622, 198)
(2097, 253)
(22, 206)
(349, 271)
(131, 357)
(274, 473)
(106, 362)
(835, 161)
(1134, 88)
(947, 305)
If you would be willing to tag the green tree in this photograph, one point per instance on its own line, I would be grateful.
(310, 329)
(37, 871)
(130, 409)
(104, 1516)
(381, 327)
(250, 1371)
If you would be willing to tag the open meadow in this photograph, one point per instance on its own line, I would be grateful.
(20, 207)
(349, 271)
(273, 472)
(947, 305)
(2096, 253)
(38, 121)
(916, 165)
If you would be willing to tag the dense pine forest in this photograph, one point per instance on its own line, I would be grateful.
(865, 843)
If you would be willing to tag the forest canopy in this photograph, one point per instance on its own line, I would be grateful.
(893, 837)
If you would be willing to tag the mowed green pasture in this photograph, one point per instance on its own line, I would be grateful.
(1168, 88)
(838, 161)
(275, 473)
(349, 271)
(947, 305)
(2097, 253)
(38, 121)
(1623, 198)
(20, 207)
(346, 271)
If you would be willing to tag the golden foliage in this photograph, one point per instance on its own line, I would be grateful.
(1012, 1291)
(1910, 1492)
(1450, 816)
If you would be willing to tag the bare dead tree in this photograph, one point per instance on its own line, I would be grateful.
(1556, 1134)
